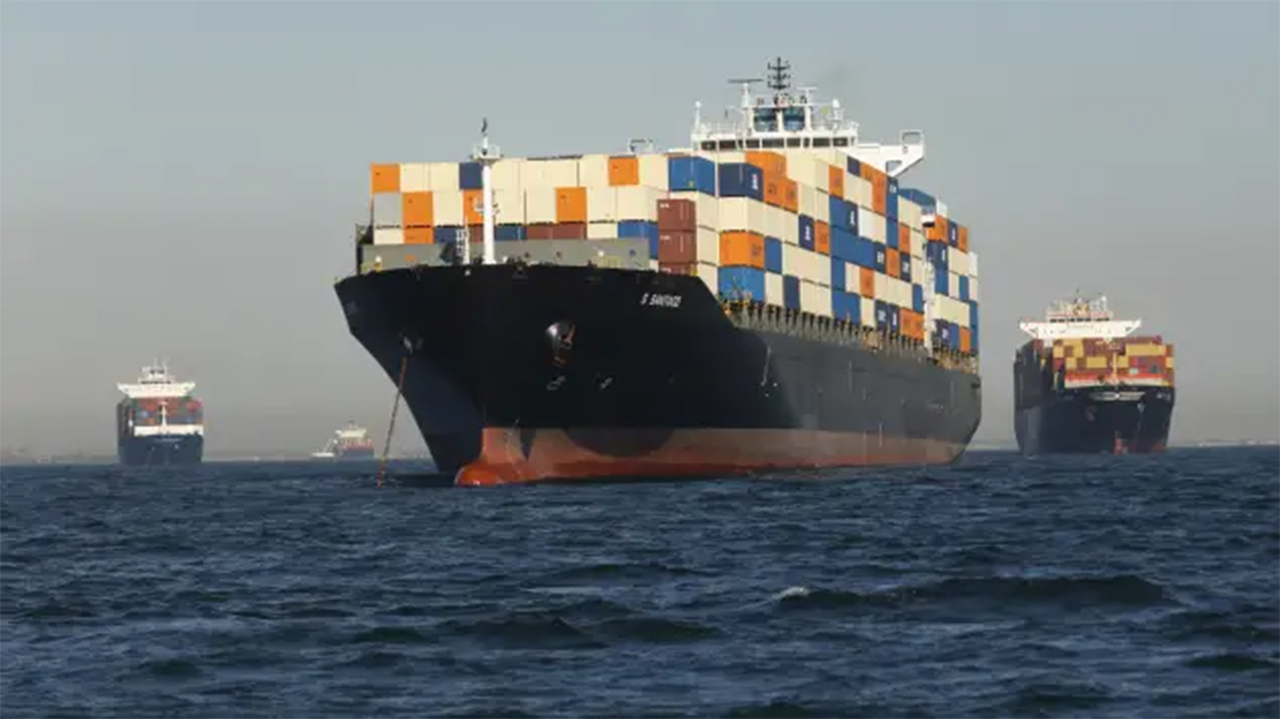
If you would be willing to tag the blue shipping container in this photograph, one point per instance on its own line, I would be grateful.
(891, 233)
(942, 332)
(837, 274)
(893, 186)
(745, 283)
(865, 253)
(964, 288)
(921, 198)
(939, 280)
(508, 233)
(469, 176)
(773, 255)
(806, 231)
(633, 229)
(447, 235)
(953, 234)
(738, 179)
(881, 254)
(904, 268)
(854, 167)
(973, 340)
(691, 173)
(843, 244)
(917, 298)
(891, 205)
(936, 252)
(895, 318)
(846, 306)
(843, 214)
(882, 314)
(791, 292)
(973, 316)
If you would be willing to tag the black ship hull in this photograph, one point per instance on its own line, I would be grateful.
(1097, 420)
(518, 374)
(161, 451)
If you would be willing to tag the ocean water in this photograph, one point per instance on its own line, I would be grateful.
(1108, 586)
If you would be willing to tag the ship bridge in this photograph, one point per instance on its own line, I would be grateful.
(792, 119)
(156, 382)
(1079, 318)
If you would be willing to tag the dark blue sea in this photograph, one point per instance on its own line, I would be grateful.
(1099, 587)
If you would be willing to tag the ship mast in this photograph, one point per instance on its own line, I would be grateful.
(486, 155)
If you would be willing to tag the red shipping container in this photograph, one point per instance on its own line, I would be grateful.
(564, 231)
(677, 247)
(677, 215)
(539, 232)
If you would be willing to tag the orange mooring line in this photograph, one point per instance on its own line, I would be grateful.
(386, 447)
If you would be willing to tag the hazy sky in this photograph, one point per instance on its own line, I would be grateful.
(181, 179)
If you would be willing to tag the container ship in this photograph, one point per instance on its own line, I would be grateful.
(159, 421)
(769, 298)
(1086, 384)
(350, 442)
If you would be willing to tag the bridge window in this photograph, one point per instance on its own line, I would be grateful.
(793, 142)
(842, 142)
(821, 142)
(777, 142)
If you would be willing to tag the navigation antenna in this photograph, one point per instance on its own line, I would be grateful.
(779, 75)
(486, 155)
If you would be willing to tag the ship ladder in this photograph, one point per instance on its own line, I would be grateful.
(391, 427)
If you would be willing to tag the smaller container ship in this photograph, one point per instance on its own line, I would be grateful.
(350, 442)
(1087, 384)
(159, 421)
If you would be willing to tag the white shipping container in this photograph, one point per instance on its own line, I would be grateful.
(901, 290)
(809, 202)
(868, 312)
(959, 262)
(802, 263)
(508, 207)
(602, 204)
(909, 213)
(777, 220)
(973, 264)
(708, 245)
(636, 202)
(414, 177)
(443, 177)
(852, 278)
(917, 244)
(593, 171)
(742, 213)
(973, 289)
(654, 265)
(447, 207)
(815, 299)
(728, 157)
(709, 273)
(506, 174)
(551, 174)
(872, 226)
(774, 294)
(653, 172)
(539, 205)
(953, 283)
(884, 289)
(859, 191)
(388, 209)
(602, 230)
(388, 236)
(789, 229)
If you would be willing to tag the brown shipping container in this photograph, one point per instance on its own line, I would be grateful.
(539, 232)
(677, 247)
(677, 215)
(835, 180)
(678, 268)
(569, 231)
(893, 263)
(904, 238)
(790, 195)
(867, 282)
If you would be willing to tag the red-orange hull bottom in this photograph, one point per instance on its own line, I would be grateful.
(507, 458)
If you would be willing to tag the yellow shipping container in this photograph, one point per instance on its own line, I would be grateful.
(1145, 350)
(1095, 362)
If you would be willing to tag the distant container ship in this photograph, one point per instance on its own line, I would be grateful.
(159, 422)
(1087, 384)
(768, 298)
(350, 442)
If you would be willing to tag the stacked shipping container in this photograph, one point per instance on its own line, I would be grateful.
(807, 230)
(1130, 359)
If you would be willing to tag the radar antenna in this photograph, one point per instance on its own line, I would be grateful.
(779, 75)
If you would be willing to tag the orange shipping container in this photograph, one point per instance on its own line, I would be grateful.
(867, 282)
(624, 171)
(419, 235)
(966, 341)
(835, 181)
(880, 195)
(870, 173)
(772, 189)
(962, 238)
(893, 263)
(822, 238)
(417, 210)
(938, 232)
(571, 204)
(742, 249)
(904, 238)
(472, 209)
(384, 178)
(771, 163)
(790, 195)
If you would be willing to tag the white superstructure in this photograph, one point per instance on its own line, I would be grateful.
(794, 120)
(1079, 318)
(351, 436)
(156, 382)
